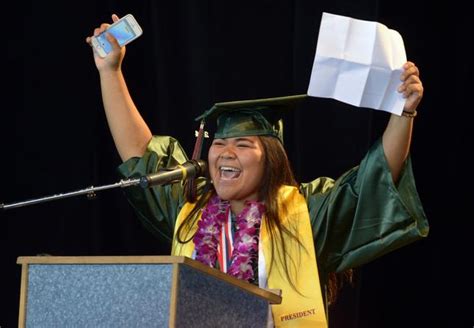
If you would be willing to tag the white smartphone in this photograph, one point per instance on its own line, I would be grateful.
(125, 30)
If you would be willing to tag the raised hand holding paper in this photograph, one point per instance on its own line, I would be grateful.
(358, 62)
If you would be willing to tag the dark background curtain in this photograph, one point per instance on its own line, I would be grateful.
(54, 137)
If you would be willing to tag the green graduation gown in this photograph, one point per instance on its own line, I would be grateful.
(355, 219)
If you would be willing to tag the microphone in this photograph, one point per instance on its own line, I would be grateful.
(187, 170)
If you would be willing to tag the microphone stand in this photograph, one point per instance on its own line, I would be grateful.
(90, 192)
(164, 176)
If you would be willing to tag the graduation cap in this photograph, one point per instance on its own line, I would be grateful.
(254, 117)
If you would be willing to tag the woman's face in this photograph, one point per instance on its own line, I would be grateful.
(236, 167)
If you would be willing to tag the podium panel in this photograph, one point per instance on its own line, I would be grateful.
(83, 295)
(136, 291)
(207, 302)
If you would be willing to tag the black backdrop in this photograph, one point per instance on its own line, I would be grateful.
(54, 137)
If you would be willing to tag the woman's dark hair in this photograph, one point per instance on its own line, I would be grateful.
(278, 172)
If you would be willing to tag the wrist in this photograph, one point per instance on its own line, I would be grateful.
(107, 73)
(410, 114)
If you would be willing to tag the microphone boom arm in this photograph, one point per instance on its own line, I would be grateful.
(90, 192)
(183, 171)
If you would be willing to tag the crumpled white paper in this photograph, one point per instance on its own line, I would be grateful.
(358, 62)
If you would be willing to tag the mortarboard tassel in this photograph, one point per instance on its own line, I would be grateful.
(190, 187)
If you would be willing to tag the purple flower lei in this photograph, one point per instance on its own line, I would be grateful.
(245, 250)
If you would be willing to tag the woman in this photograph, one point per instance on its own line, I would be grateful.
(251, 219)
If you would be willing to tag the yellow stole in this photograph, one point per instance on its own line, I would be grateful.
(303, 309)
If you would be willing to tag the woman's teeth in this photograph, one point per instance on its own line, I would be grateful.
(229, 172)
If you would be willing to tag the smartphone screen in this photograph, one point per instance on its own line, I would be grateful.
(122, 31)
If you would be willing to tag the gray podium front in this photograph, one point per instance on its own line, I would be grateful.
(136, 291)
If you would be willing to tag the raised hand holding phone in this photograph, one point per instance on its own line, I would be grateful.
(125, 30)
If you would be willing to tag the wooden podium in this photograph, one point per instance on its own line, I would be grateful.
(136, 291)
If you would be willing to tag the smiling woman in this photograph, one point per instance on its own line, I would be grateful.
(236, 169)
(250, 218)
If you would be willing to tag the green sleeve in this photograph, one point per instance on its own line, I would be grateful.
(156, 207)
(363, 214)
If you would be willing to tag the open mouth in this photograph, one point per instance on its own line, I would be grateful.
(228, 172)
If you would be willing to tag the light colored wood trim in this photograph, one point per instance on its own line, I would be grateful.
(273, 291)
(249, 288)
(174, 295)
(23, 293)
(100, 259)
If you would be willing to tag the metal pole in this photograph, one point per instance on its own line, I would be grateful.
(90, 192)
